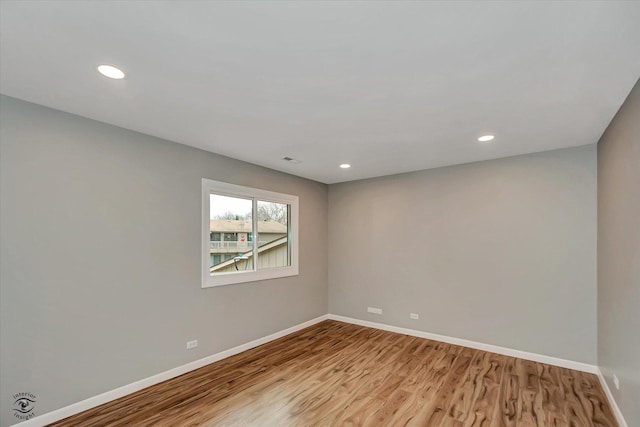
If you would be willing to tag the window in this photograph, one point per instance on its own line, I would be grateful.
(247, 234)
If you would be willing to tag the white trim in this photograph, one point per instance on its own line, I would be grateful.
(578, 366)
(119, 392)
(614, 405)
(254, 194)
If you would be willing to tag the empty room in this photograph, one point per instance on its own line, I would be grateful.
(319, 213)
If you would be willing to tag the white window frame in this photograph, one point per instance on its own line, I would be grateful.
(229, 278)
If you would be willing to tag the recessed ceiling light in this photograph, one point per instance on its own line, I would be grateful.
(111, 72)
(345, 166)
(486, 138)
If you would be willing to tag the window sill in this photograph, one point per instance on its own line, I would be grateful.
(232, 278)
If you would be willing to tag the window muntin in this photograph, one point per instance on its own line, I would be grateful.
(240, 221)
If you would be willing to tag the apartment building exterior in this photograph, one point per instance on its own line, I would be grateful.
(231, 244)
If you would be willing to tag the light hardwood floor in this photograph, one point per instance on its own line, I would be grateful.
(338, 374)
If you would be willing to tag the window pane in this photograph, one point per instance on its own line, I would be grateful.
(231, 236)
(230, 223)
(273, 235)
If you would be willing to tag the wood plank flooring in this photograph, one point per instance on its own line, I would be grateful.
(338, 374)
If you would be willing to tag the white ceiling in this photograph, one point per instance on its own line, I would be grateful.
(386, 86)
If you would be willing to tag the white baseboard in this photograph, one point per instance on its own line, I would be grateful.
(119, 392)
(563, 363)
(616, 409)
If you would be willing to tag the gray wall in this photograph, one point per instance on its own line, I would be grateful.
(100, 258)
(501, 252)
(100, 273)
(619, 256)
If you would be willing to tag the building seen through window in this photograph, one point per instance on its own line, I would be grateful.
(231, 234)
(248, 234)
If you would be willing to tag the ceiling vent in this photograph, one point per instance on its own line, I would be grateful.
(291, 160)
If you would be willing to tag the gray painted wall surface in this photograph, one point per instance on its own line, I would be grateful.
(619, 256)
(100, 258)
(501, 252)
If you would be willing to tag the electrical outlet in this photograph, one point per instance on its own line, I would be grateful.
(616, 382)
(374, 310)
(192, 344)
(414, 316)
